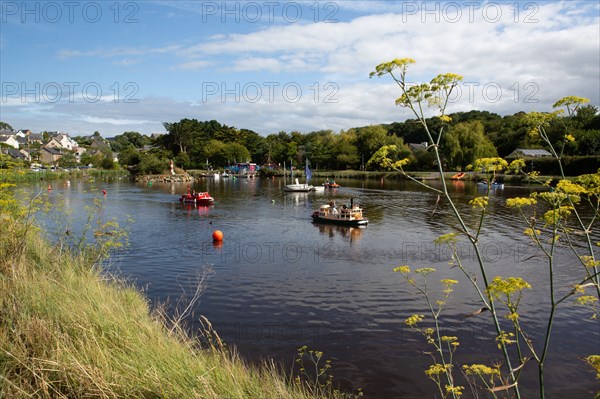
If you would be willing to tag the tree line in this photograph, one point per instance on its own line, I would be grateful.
(194, 144)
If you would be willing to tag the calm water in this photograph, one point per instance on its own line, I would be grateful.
(279, 281)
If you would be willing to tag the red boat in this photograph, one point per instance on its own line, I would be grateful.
(331, 184)
(203, 198)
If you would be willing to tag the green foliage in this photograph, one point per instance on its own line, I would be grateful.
(68, 161)
(5, 126)
(151, 164)
(107, 163)
(129, 157)
(129, 139)
(465, 142)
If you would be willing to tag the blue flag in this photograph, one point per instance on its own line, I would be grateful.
(308, 174)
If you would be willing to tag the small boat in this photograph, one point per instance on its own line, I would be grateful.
(458, 176)
(202, 198)
(346, 216)
(299, 187)
(330, 184)
(494, 184)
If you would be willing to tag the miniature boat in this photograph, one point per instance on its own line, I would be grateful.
(458, 176)
(492, 185)
(330, 184)
(346, 216)
(203, 198)
(298, 187)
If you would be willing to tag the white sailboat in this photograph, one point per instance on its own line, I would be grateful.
(298, 187)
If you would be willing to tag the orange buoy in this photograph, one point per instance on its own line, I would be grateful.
(49, 187)
(217, 235)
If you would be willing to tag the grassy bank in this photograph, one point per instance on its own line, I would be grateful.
(69, 331)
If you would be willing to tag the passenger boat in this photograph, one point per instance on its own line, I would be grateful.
(202, 198)
(346, 216)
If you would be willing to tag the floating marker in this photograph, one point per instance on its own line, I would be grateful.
(217, 235)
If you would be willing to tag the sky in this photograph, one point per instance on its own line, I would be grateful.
(270, 66)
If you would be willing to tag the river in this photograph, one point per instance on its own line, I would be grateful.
(279, 282)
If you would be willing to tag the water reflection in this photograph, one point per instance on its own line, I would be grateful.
(352, 234)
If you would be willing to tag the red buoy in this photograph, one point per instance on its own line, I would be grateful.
(104, 192)
(217, 235)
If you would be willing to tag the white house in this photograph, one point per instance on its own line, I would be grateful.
(10, 141)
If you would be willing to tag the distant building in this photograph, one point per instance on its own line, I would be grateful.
(9, 141)
(35, 137)
(17, 154)
(418, 146)
(528, 153)
(50, 155)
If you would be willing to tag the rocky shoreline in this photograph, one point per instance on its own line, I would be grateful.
(165, 178)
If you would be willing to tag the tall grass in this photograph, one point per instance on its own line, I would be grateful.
(27, 175)
(67, 330)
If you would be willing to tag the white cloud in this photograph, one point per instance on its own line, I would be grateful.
(508, 66)
(193, 65)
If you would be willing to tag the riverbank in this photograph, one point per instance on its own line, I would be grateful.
(321, 175)
(28, 175)
(68, 330)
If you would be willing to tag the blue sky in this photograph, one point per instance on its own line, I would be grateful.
(107, 66)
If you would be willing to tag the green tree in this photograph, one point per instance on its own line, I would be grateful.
(5, 126)
(68, 160)
(129, 157)
(107, 163)
(465, 142)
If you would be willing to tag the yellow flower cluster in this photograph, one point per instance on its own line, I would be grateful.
(448, 282)
(507, 286)
(519, 202)
(450, 340)
(554, 216)
(586, 300)
(425, 270)
(495, 164)
(532, 233)
(414, 319)
(505, 338)
(480, 369)
(594, 361)
(568, 187)
(513, 316)
(456, 390)
(402, 269)
(588, 261)
(436, 369)
(479, 202)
